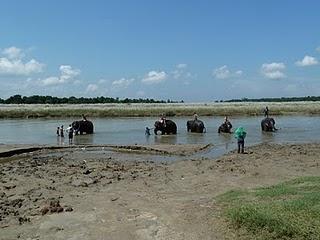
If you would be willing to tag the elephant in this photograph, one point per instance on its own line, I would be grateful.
(196, 126)
(168, 128)
(267, 124)
(82, 127)
(225, 127)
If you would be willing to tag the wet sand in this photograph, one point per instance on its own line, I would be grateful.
(128, 192)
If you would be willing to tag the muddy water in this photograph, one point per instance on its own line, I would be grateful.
(132, 131)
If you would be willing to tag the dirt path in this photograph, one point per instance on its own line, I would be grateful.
(116, 195)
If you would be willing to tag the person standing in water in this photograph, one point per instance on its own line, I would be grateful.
(240, 135)
(70, 133)
(266, 111)
(195, 116)
(147, 132)
(163, 120)
(58, 131)
(61, 131)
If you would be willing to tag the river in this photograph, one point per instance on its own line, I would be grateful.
(132, 131)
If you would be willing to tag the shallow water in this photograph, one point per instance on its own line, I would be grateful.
(132, 131)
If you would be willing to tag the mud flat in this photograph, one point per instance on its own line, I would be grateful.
(103, 193)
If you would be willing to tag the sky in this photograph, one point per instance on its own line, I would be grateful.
(196, 51)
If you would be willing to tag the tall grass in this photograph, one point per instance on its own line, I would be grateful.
(142, 110)
(290, 210)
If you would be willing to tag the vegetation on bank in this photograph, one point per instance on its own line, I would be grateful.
(290, 210)
(155, 110)
(280, 99)
(36, 99)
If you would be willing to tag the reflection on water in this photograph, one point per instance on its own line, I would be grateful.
(83, 139)
(267, 136)
(195, 138)
(165, 139)
(226, 140)
(132, 131)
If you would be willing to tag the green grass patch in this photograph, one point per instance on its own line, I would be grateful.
(290, 210)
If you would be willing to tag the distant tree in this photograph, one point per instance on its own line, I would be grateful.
(16, 99)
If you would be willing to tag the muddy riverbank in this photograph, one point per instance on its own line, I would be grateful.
(125, 193)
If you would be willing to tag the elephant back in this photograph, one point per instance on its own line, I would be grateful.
(268, 120)
(199, 123)
(87, 126)
(225, 128)
(83, 126)
(195, 126)
(171, 127)
(267, 124)
(168, 128)
(189, 124)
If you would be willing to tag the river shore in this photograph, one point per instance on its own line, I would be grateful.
(129, 193)
(154, 110)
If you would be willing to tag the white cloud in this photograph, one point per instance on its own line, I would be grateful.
(224, 73)
(13, 64)
(154, 77)
(273, 70)
(239, 72)
(50, 81)
(67, 74)
(17, 67)
(181, 65)
(221, 72)
(307, 61)
(92, 88)
(177, 74)
(181, 72)
(122, 83)
(275, 75)
(13, 53)
(318, 49)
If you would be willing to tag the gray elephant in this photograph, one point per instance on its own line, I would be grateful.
(169, 127)
(82, 127)
(268, 125)
(196, 126)
(225, 127)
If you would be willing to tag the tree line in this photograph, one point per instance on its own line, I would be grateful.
(278, 99)
(36, 99)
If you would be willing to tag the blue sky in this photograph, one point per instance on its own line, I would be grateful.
(181, 50)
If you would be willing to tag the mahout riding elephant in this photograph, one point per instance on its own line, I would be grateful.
(169, 127)
(268, 125)
(196, 126)
(82, 127)
(225, 127)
